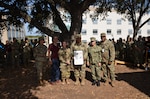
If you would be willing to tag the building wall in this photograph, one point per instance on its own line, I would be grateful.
(12, 32)
(103, 26)
(4, 36)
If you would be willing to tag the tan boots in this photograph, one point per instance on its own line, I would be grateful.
(82, 81)
(77, 81)
(65, 81)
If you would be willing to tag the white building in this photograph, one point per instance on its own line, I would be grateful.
(115, 26)
(11, 32)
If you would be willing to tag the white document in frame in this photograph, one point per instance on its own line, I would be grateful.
(78, 58)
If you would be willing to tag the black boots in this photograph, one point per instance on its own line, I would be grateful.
(96, 83)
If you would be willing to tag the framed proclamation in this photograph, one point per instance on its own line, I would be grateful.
(78, 58)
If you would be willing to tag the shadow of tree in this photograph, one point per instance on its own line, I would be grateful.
(139, 80)
(17, 83)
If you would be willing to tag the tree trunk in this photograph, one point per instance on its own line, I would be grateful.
(135, 32)
(76, 22)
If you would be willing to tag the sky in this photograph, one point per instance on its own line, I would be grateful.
(30, 33)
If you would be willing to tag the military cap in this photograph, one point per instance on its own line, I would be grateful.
(78, 36)
(103, 34)
(93, 39)
(41, 38)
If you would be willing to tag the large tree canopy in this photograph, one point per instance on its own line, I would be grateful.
(38, 12)
(134, 11)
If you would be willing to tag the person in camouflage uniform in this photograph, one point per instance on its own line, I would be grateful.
(108, 58)
(138, 53)
(15, 52)
(129, 50)
(64, 58)
(79, 70)
(26, 52)
(2, 53)
(94, 61)
(120, 49)
(40, 59)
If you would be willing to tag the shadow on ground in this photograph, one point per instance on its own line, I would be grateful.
(16, 83)
(139, 80)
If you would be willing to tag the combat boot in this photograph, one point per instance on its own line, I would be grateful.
(82, 82)
(98, 83)
(41, 82)
(112, 84)
(94, 82)
(67, 81)
(77, 81)
(106, 83)
(63, 81)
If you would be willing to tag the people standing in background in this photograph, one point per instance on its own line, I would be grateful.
(15, 52)
(138, 53)
(2, 53)
(22, 43)
(26, 52)
(40, 59)
(8, 52)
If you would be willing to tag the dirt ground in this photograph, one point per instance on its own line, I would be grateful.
(21, 83)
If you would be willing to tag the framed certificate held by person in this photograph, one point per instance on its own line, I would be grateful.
(78, 58)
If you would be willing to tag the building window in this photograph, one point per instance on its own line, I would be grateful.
(139, 32)
(84, 32)
(108, 21)
(17, 34)
(130, 31)
(84, 41)
(119, 32)
(130, 22)
(148, 22)
(95, 32)
(84, 21)
(9, 34)
(119, 22)
(148, 31)
(95, 20)
(109, 31)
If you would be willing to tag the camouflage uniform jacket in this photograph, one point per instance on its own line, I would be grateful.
(64, 55)
(108, 51)
(80, 47)
(40, 53)
(15, 48)
(26, 48)
(94, 54)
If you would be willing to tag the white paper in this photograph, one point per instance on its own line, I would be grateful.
(78, 58)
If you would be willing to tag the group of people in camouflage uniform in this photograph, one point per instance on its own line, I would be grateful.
(133, 51)
(63, 59)
(16, 53)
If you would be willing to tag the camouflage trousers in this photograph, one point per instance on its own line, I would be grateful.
(26, 58)
(40, 69)
(95, 72)
(108, 71)
(15, 60)
(79, 71)
(65, 71)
